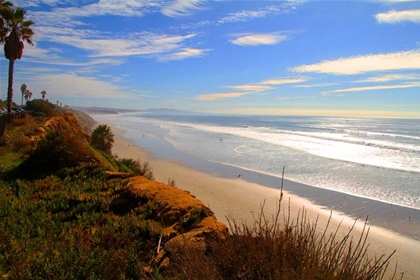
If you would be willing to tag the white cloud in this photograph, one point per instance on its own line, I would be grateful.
(399, 16)
(246, 15)
(247, 89)
(67, 26)
(285, 7)
(251, 87)
(259, 39)
(283, 81)
(365, 63)
(36, 3)
(67, 16)
(100, 45)
(218, 96)
(182, 8)
(183, 54)
(389, 78)
(72, 85)
(315, 85)
(356, 89)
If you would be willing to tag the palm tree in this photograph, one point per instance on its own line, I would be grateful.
(43, 93)
(102, 138)
(28, 95)
(3, 32)
(23, 89)
(16, 30)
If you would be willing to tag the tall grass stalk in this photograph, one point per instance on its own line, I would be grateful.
(294, 248)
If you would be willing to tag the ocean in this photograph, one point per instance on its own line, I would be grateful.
(375, 158)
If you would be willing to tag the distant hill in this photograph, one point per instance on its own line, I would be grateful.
(163, 111)
(102, 110)
(157, 111)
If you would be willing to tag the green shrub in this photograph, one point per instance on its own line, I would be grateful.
(136, 167)
(39, 114)
(56, 151)
(40, 108)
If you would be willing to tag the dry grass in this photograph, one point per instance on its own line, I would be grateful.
(280, 249)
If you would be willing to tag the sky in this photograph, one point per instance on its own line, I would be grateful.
(358, 58)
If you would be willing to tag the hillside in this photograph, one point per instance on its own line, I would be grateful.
(70, 211)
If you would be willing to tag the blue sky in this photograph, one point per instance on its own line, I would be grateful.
(242, 57)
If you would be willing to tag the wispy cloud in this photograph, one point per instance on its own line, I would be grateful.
(68, 26)
(218, 96)
(399, 16)
(259, 39)
(293, 97)
(254, 87)
(72, 85)
(365, 63)
(315, 85)
(247, 15)
(283, 81)
(73, 16)
(183, 54)
(36, 3)
(390, 78)
(100, 45)
(247, 89)
(182, 8)
(285, 7)
(356, 89)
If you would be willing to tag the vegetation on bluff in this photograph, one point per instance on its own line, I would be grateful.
(59, 221)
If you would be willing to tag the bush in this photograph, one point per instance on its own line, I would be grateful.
(294, 249)
(40, 108)
(57, 150)
(39, 114)
(136, 167)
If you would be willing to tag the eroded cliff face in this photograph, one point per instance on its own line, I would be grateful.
(67, 122)
(185, 219)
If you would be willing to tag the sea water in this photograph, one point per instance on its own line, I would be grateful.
(368, 157)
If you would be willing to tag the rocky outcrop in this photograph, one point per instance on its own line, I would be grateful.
(185, 219)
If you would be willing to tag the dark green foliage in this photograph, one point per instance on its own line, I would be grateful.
(103, 138)
(40, 108)
(56, 228)
(196, 214)
(135, 167)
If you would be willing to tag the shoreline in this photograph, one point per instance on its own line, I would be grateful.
(400, 219)
(241, 198)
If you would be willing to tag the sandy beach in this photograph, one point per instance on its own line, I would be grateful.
(242, 199)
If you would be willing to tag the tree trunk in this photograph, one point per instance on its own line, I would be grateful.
(10, 86)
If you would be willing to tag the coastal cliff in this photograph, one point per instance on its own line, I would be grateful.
(183, 217)
(66, 204)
